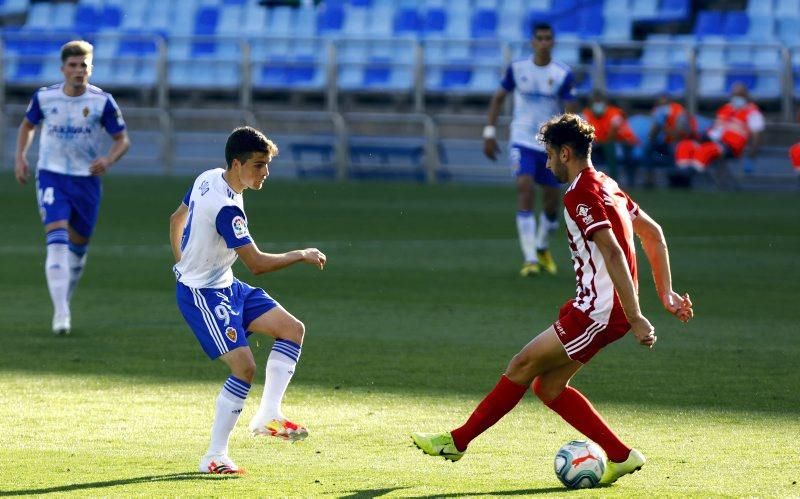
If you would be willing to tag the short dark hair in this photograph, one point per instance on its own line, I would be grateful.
(541, 26)
(75, 48)
(568, 130)
(244, 141)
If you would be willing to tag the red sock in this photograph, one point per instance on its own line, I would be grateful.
(503, 397)
(579, 412)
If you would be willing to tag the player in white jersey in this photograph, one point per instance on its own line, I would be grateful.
(601, 221)
(69, 168)
(208, 232)
(542, 88)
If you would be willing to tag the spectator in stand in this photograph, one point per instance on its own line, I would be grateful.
(611, 129)
(737, 126)
(672, 123)
(794, 153)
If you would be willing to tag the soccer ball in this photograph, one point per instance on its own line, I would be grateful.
(580, 464)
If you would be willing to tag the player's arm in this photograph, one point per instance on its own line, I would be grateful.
(655, 247)
(490, 147)
(617, 267)
(259, 262)
(24, 140)
(120, 145)
(177, 221)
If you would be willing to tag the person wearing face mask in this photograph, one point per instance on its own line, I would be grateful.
(611, 128)
(671, 124)
(737, 126)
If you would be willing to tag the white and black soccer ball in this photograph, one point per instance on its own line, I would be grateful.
(580, 464)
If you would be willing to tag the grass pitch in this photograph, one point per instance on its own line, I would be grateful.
(411, 323)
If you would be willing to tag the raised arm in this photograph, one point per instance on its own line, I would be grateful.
(24, 139)
(259, 262)
(617, 268)
(177, 221)
(655, 247)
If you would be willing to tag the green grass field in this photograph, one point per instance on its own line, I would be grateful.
(411, 323)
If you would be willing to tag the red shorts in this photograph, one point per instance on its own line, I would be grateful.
(582, 337)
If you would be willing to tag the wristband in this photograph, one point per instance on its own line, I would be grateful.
(489, 132)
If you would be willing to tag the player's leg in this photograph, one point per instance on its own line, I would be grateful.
(543, 353)
(54, 209)
(214, 316)
(85, 199)
(548, 218)
(522, 164)
(273, 320)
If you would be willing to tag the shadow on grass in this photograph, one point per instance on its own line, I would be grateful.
(521, 492)
(173, 477)
(364, 494)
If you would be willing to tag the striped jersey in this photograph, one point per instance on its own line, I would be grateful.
(70, 138)
(594, 201)
(215, 227)
(539, 94)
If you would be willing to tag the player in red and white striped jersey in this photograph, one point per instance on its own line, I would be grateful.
(601, 221)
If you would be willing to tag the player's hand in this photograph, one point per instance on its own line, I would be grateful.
(100, 166)
(315, 257)
(679, 306)
(491, 149)
(21, 171)
(643, 331)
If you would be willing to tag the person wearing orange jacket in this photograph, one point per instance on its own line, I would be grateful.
(671, 124)
(737, 126)
(611, 128)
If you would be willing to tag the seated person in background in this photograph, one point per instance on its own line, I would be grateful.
(794, 153)
(611, 128)
(737, 124)
(672, 123)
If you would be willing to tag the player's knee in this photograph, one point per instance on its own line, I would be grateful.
(245, 370)
(297, 331)
(522, 366)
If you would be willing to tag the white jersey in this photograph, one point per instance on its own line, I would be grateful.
(216, 226)
(71, 126)
(539, 94)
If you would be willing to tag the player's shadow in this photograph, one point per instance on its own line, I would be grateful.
(364, 494)
(172, 477)
(521, 492)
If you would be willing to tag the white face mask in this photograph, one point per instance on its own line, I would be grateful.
(738, 102)
(599, 107)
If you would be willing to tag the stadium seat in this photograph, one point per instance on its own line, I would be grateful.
(641, 9)
(653, 82)
(709, 23)
(789, 30)
(567, 50)
(762, 28)
(621, 7)
(738, 55)
(767, 86)
(736, 24)
(355, 22)
(330, 20)
(406, 22)
(767, 57)
(676, 82)
(111, 16)
(591, 23)
(711, 83)
(758, 8)
(674, 10)
(617, 28)
(564, 24)
(787, 8)
(39, 15)
(434, 22)
(381, 20)
(712, 53)
(484, 24)
(740, 73)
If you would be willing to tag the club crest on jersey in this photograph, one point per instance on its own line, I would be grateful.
(204, 188)
(239, 227)
(583, 213)
(85, 112)
(231, 334)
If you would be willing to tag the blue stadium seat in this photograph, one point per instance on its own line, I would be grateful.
(617, 28)
(39, 15)
(456, 76)
(676, 83)
(509, 26)
(767, 57)
(709, 23)
(63, 15)
(757, 8)
(434, 22)
(653, 82)
(484, 24)
(591, 22)
(406, 22)
(641, 9)
(762, 28)
(566, 24)
(134, 45)
(712, 53)
(28, 71)
(674, 10)
(736, 24)
(87, 19)
(621, 7)
(789, 30)
(567, 50)
(767, 86)
(738, 55)
(361, 3)
(712, 83)
(111, 16)
(330, 20)
(787, 8)
(740, 73)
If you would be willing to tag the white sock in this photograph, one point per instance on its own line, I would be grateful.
(77, 262)
(56, 269)
(546, 226)
(281, 364)
(230, 402)
(526, 228)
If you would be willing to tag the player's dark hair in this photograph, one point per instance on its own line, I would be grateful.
(244, 141)
(568, 130)
(75, 48)
(541, 26)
